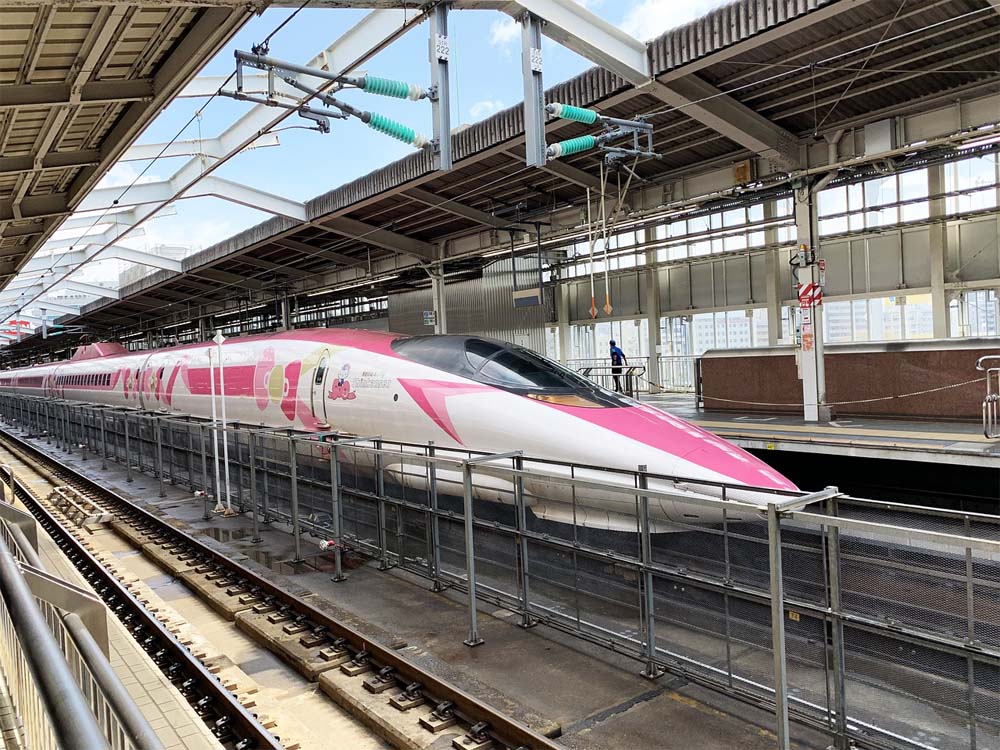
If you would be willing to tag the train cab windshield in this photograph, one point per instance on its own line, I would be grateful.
(507, 366)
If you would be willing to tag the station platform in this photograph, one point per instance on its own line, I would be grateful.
(169, 714)
(928, 441)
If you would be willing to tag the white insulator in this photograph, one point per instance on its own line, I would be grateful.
(421, 141)
(416, 92)
(554, 151)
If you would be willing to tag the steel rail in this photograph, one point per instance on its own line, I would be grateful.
(230, 721)
(503, 729)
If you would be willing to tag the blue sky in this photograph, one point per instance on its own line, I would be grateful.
(485, 78)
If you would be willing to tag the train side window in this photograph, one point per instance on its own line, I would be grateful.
(320, 372)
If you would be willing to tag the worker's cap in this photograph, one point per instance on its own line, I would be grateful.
(612, 342)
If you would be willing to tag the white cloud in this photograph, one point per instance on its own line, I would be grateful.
(504, 31)
(647, 19)
(485, 108)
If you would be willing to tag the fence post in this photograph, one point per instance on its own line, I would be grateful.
(104, 443)
(383, 544)
(527, 620)
(652, 670)
(470, 555)
(778, 626)
(251, 444)
(970, 606)
(48, 428)
(335, 514)
(202, 429)
(837, 628)
(128, 452)
(293, 464)
(435, 526)
(159, 454)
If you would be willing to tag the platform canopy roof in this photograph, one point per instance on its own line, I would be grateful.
(750, 79)
(78, 82)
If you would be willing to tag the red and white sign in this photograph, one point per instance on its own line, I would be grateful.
(810, 294)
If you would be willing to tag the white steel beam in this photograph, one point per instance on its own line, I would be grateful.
(85, 288)
(589, 35)
(210, 147)
(205, 86)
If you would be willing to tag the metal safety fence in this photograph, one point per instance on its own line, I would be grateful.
(63, 692)
(878, 623)
(643, 375)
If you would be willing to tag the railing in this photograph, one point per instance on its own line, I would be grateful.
(49, 702)
(107, 709)
(823, 607)
(675, 374)
(991, 402)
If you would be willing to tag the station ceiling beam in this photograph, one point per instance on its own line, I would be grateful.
(27, 95)
(214, 274)
(379, 237)
(277, 268)
(15, 165)
(458, 209)
(331, 255)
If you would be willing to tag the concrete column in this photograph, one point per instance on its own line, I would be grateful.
(811, 362)
(562, 319)
(652, 307)
(938, 237)
(772, 265)
(204, 325)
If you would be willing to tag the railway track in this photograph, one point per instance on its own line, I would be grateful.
(309, 638)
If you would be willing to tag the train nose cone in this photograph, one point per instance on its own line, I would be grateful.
(702, 455)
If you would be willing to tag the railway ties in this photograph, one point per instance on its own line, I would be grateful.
(395, 698)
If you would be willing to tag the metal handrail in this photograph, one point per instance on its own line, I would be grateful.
(991, 401)
(138, 733)
(59, 714)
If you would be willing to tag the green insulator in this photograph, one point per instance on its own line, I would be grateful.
(579, 114)
(395, 129)
(387, 87)
(572, 146)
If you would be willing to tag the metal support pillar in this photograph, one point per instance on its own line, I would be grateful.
(286, 314)
(293, 477)
(470, 556)
(778, 626)
(652, 670)
(938, 245)
(440, 56)
(534, 91)
(811, 361)
(439, 300)
(653, 334)
(562, 316)
(104, 443)
(128, 451)
(839, 693)
(772, 281)
(336, 516)
(524, 582)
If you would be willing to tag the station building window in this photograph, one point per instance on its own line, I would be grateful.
(975, 313)
(979, 175)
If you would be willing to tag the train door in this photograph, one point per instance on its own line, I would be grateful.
(318, 388)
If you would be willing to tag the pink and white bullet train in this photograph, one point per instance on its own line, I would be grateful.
(462, 392)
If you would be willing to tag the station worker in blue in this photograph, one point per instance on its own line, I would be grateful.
(617, 360)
